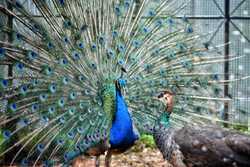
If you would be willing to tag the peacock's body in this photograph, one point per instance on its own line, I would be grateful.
(122, 134)
(80, 70)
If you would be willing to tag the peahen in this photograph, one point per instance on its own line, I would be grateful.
(199, 146)
(86, 76)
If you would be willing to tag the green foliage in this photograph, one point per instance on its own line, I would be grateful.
(148, 141)
(240, 127)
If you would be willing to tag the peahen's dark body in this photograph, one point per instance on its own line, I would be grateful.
(87, 72)
(212, 146)
(199, 146)
(209, 146)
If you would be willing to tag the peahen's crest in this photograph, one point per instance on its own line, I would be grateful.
(67, 65)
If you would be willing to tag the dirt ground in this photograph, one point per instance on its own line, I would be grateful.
(142, 157)
(146, 158)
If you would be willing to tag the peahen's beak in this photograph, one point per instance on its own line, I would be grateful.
(167, 98)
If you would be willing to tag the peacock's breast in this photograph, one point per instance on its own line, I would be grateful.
(122, 135)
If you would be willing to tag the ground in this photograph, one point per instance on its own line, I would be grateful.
(148, 157)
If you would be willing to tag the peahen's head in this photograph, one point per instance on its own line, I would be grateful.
(167, 97)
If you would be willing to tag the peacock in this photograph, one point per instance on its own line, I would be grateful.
(87, 77)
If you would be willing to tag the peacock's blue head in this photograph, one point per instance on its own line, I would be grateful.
(121, 83)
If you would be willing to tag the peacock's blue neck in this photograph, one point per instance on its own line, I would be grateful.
(122, 134)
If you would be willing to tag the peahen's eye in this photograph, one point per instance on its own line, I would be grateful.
(160, 95)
